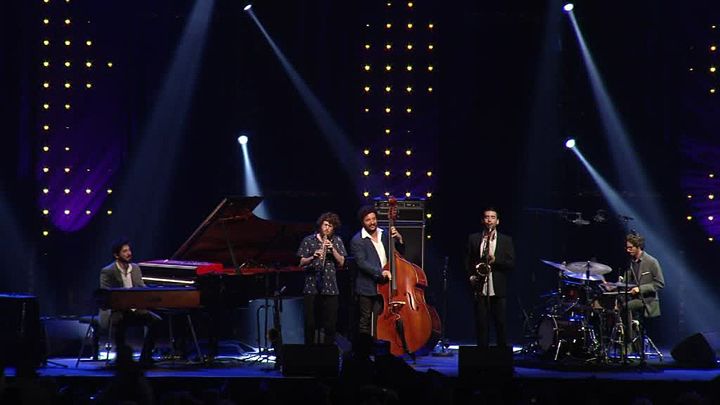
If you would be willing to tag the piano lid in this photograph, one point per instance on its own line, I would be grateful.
(254, 241)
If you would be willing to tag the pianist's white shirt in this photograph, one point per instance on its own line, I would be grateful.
(126, 277)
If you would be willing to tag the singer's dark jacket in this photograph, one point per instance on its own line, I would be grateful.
(504, 260)
(369, 271)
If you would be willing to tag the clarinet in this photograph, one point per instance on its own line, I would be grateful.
(324, 253)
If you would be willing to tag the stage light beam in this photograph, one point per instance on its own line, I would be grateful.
(335, 136)
(252, 185)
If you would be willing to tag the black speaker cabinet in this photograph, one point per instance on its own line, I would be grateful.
(413, 234)
(311, 360)
(485, 364)
(63, 336)
(20, 331)
(410, 223)
(698, 350)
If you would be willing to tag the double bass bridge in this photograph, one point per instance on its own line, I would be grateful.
(396, 306)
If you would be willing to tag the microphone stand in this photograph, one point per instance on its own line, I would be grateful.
(589, 335)
(442, 346)
(628, 318)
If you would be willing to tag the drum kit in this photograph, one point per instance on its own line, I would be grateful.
(580, 319)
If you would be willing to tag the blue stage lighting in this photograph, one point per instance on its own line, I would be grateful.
(570, 143)
(242, 139)
(568, 7)
(248, 7)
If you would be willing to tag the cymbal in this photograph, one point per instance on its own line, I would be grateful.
(583, 267)
(558, 266)
(583, 276)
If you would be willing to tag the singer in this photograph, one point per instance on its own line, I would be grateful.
(490, 256)
(322, 254)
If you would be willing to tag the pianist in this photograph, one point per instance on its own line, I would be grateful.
(321, 254)
(122, 273)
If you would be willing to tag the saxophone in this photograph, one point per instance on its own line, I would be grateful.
(483, 268)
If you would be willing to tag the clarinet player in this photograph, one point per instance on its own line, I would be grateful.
(322, 254)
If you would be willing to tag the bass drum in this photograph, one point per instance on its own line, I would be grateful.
(559, 336)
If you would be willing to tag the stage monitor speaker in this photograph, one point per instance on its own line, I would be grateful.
(311, 360)
(698, 350)
(485, 364)
(251, 324)
(20, 341)
(394, 371)
(63, 336)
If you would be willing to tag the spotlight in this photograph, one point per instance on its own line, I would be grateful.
(570, 143)
(248, 7)
(242, 139)
(568, 7)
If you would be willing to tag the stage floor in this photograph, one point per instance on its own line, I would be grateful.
(525, 367)
(428, 380)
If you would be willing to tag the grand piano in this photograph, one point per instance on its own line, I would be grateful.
(231, 258)
(234, 256)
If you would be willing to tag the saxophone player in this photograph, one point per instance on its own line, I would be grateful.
(490, 256)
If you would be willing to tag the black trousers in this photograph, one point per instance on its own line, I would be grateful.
(323, 308)
(122, 320)
(634, 312)
(368, 310)
(486, 309)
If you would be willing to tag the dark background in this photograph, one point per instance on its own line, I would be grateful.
(511, 88)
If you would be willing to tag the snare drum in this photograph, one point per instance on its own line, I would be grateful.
(607, 301)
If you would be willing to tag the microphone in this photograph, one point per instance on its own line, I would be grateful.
(600, 216)
(580, 221)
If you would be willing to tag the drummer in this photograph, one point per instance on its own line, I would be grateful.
(644, 278)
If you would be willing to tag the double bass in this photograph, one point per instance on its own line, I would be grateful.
(406, 320)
